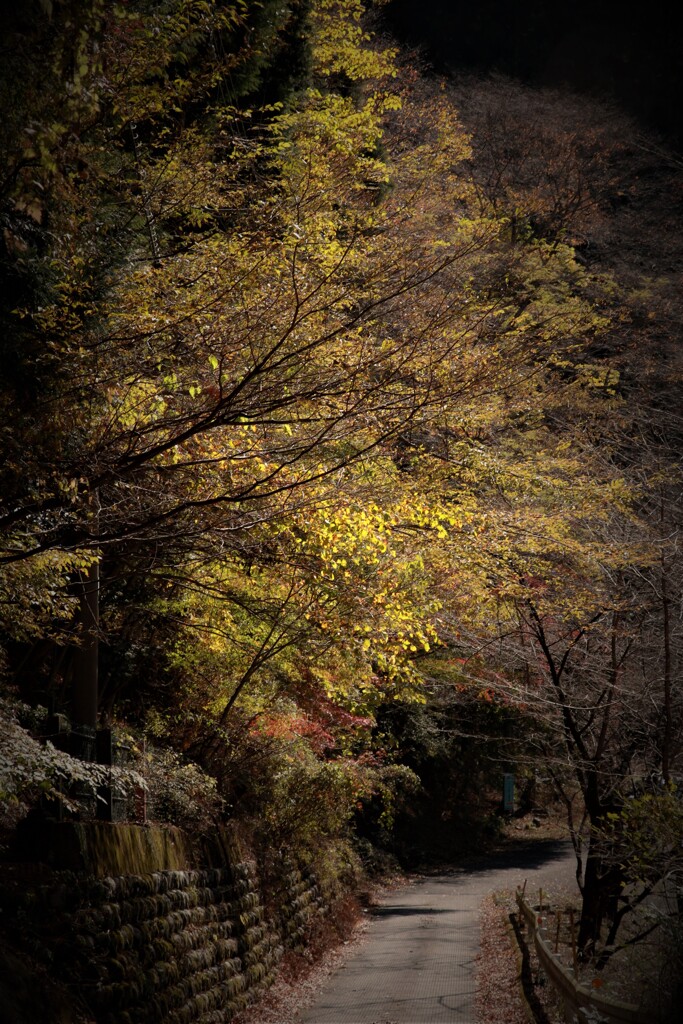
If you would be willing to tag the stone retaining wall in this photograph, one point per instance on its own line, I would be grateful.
(301, 903)
(172, 946)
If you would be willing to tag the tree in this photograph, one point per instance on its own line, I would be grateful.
(227, 336)
(305, 370)
(206, 327)
(582, 599)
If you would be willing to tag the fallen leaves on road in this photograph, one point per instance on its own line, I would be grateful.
(499, 998)
(301, 977)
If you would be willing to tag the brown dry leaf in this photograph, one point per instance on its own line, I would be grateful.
(499, 998)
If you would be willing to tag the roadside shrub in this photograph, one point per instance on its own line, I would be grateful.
(179, 792)
(31, 770)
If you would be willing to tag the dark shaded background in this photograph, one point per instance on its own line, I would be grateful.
(631, 54)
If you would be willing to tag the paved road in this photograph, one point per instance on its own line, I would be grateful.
(417, 962)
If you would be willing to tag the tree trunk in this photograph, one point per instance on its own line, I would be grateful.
(85, 661)
(602, 886)
(591, 906)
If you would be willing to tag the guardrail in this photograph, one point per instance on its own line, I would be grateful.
(577, 1001)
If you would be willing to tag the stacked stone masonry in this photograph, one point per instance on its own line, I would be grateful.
(301, 906)
(170, 946)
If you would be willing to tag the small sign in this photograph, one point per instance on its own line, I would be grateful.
(508, 793)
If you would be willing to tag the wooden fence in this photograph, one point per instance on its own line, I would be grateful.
(578, 1002)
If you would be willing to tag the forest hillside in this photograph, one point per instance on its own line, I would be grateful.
(341, 437)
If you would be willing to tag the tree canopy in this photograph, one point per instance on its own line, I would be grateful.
(331, 379)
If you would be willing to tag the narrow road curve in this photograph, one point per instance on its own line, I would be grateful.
(417, 962)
